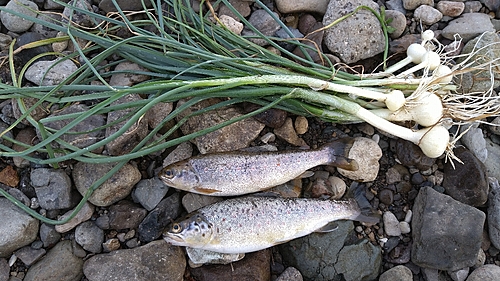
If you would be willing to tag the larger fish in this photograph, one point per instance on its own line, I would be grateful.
(248, 224)
(237, 173)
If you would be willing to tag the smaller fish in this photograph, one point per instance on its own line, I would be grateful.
(238, 172)
(248, 224)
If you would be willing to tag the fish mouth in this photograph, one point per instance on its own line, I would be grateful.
(173, 239)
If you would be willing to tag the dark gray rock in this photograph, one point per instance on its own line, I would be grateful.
(264, 23)
(84, 214)
(494, 213)
(53, 189)
(397, 273)
(111, 191)
(315, 255)
(89, 236)
(359, 262)
(49, 235)
(154, 261)
(149, 192)
(29, 255)
(410, 154)
(157, 220)
(126, 5)
(125, 214)
(468, 182)
(17, 229)
(60, 263)
(446, 233)
(79, 16)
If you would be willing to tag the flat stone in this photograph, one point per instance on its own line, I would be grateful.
(60, 263)
(366, 152)
(89, 236)
(391, 224)
(125, 5)
(15, 23)
(149, 192)
(125, 214)
(49, 73)
(159, 218)
(17, 229)
(29, 255)
(53, 189)
(291, 7)
(243, 7)
(468, 26)
(468, 182)
(446, 233)
(459, 275)
(410, 154)
(126, 74)
(158, 112)
(111, 191)
(492, 164)
(232, 137)
(487, 272)
(359, 262)
(357, 37)
(84, 214)
(49, 235)
(154, 261)
(427, 14)
(182, 152)
(450, 8)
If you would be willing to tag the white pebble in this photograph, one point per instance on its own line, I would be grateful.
(338, 187)
(404, 227)
(269, 137)
(391, 224)
(408, 216)
(12, 260)
(376, 138)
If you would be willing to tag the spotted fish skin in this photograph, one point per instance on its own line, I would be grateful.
(238, 173)
(248, 224)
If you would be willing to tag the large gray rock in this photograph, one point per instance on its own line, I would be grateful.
(159, 218)
(446, 233)
(359, 262)
(357, 37)
(60, 263)
(468, 26)
(48, 73)
(53, 189)
(494, 213)
(113, 190)
(17, 229)
(154, 261)
(15, 23)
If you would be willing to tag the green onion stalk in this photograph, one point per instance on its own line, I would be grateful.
(191, 56)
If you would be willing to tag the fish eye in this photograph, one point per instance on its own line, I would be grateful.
(176, 228)
(169, 173)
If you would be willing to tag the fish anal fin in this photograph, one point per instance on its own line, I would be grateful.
(329, 227)
(345, 163)
(206, 191)
(338, 152)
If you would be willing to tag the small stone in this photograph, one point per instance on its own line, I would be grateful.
(49, 235)
(49, 73)
(192, 202)
(4, 270)
(474, 140)
(413, 4)
(459, 275)
(89, 236)
(487, 272)
(450, 8)
(366, 129)
(427, 14)
(410, 154)
(494, 213)
(366, 152)
(359, 262)
(132, 243)
(125, 214)
(8, 176)
(268, 137)
(393, 175)
(128, 76)
(290, 274)
(301, 125)
(182, 152)
(408, 216)
(338, 187)
(391, 224)
(15, 23)
(110, 245)
(125, 5)
(199, 257)
(288, 133)
(290, 189)
(397, 273)
(29, 255)
(84, 214)
(230, 23)
(159, 218)
(386, 196)
(481, 259)
(53, 189)
(398, 22)
(26, 136)
(472, 6)
(17, 229)
(273, 117)
(405, 227)
(312, 6)
(264, 23)
(149, 192)
(243, 7)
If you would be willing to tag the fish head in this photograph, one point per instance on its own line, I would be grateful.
(180, 175)
(194, 231)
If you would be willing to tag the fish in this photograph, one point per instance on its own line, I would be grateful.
(238, 172)
(252, 223)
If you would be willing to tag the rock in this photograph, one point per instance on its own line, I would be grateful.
(182, 152)
(84, 214)
(89, 236)
(367, 153)
(44, 31)
(492, 5)
(192, 202)
(468, 26)
(494, 128)
(474, 140)
(49, 73)
(290, 189)
(357, 37)
(111, 245)
(459, 275)
(199, 257)
(386, 196)
(243, 7)
(38, 113)
(396, 5)
(487, 272)
(159, 218)
(427, 14)
(410, 154)
(288, 133)
(9, 176)
(230, 23)
(472, 6)
(315, 255)
(83, 134)
(391, 224)
(4, 270)
(486, 48)
(125, 141)
(446, 233)
(405, 227)
(125, 74)
(53, 189)
(113, 190)
(25, 136)
(468, 182)
(29, 255)
(17, 229)
(154, 261)
(125, 214)
(359, 262)
(492, 164)
(413, 4)
(255, 266)
(158, 112)
(290, 274)
(60, 263)
(397, 273)
(494, 213)
(450, 8)
(398, 22)
(125, 5)
(149, 192)
(15, 23)
(301, 125)
(315, 6)
(49, 235)
(273, 117)
(338, 187)
(232, 137)
(264, 23)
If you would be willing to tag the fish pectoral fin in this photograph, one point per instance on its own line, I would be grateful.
(345, 163)
(329, 227)
(206, 190)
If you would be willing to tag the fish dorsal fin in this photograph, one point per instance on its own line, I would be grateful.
(205, 191)
(329, 227)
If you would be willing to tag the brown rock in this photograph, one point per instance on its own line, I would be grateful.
(9, 176)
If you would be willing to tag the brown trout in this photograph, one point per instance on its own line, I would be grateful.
(238, 173)
(253, 223)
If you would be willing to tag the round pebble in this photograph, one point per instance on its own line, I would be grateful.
(386, 196)
(301, 125)
(15, 23)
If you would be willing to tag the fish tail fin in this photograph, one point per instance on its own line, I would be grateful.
(367, 214)
(338, 151)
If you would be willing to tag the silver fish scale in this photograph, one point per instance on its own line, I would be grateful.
(234, 172)
(249, 224)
